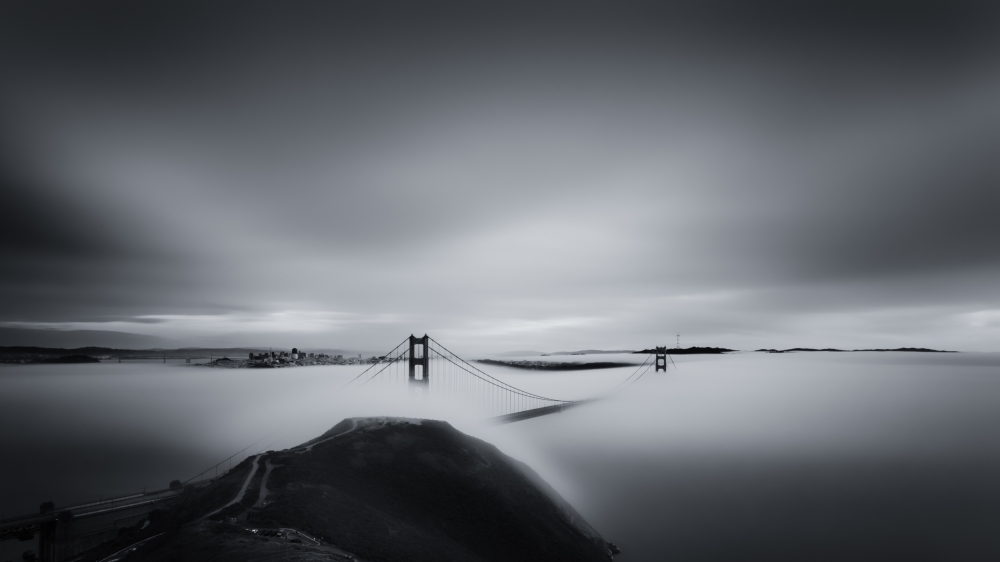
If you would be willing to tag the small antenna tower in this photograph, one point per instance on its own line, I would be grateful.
(678, 341)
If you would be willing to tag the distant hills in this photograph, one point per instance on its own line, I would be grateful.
(587, 352)
(38, 354)
(71, 359)
(71, 339)
(31, 354)
(110, 351)
(690, 350)
(914, 349)
(521, 353)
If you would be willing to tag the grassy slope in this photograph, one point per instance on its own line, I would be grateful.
(424, 492)
(394, 492)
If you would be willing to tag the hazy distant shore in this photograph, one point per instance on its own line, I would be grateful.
(906, 349)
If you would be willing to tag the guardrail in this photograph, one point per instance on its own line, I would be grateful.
(110, 502)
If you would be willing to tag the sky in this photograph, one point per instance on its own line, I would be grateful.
(506, 176)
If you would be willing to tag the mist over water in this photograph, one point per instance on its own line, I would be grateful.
(816, 456)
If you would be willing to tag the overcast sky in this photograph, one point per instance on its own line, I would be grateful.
(528, 176)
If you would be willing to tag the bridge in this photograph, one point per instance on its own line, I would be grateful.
(68, 531)
(421, 363)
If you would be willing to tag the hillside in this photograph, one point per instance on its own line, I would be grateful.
(378, 489)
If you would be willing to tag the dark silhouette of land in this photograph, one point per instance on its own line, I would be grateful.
(588, 352)
(70, 359)
(912, 349)
(689, 350)
(371, 489)
(31, 354)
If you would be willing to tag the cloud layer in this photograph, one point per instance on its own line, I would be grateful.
(517, 177)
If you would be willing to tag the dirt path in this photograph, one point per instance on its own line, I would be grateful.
(263, 483)
(354, 425)
(243, 490)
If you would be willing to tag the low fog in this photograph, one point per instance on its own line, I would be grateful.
(817, 456)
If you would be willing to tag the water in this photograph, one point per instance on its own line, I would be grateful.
(749, 456)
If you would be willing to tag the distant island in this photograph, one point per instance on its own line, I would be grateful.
(70, 359)
(689, 351)
(912, 349)
(588, 352)
(20, 354)
(294, 358)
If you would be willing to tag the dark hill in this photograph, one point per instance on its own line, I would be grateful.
(70, 359)
(689, 351)
(379, 489)
(910, 349)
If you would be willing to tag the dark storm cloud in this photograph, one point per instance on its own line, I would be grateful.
(570, 168)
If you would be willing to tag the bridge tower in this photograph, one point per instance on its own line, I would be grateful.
(420, 360)
(661, 359)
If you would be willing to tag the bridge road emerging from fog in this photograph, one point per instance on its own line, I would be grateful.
(67, 531)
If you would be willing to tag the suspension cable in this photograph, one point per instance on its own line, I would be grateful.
(389, 364)
(370, 368)
(501, 383)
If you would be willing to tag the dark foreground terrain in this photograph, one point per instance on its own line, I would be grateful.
(375, 489)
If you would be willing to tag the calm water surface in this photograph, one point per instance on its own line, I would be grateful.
(742, 457)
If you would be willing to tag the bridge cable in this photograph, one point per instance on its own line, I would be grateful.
(502, 383)
(389, 364)
(510, 389)
(370, 368)
(626, 381)
(273, 431)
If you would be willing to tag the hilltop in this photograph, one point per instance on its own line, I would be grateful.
(375, 489)
(689, 350)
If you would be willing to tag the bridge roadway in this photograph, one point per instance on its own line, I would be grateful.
(537, 412)
(68, 531)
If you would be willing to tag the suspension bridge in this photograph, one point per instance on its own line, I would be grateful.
(421, 363)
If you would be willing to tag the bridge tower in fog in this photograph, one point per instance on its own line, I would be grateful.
(419, 359)
(661, 358)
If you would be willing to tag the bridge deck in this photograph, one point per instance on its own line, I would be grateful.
(536, 412)
(10, 528)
